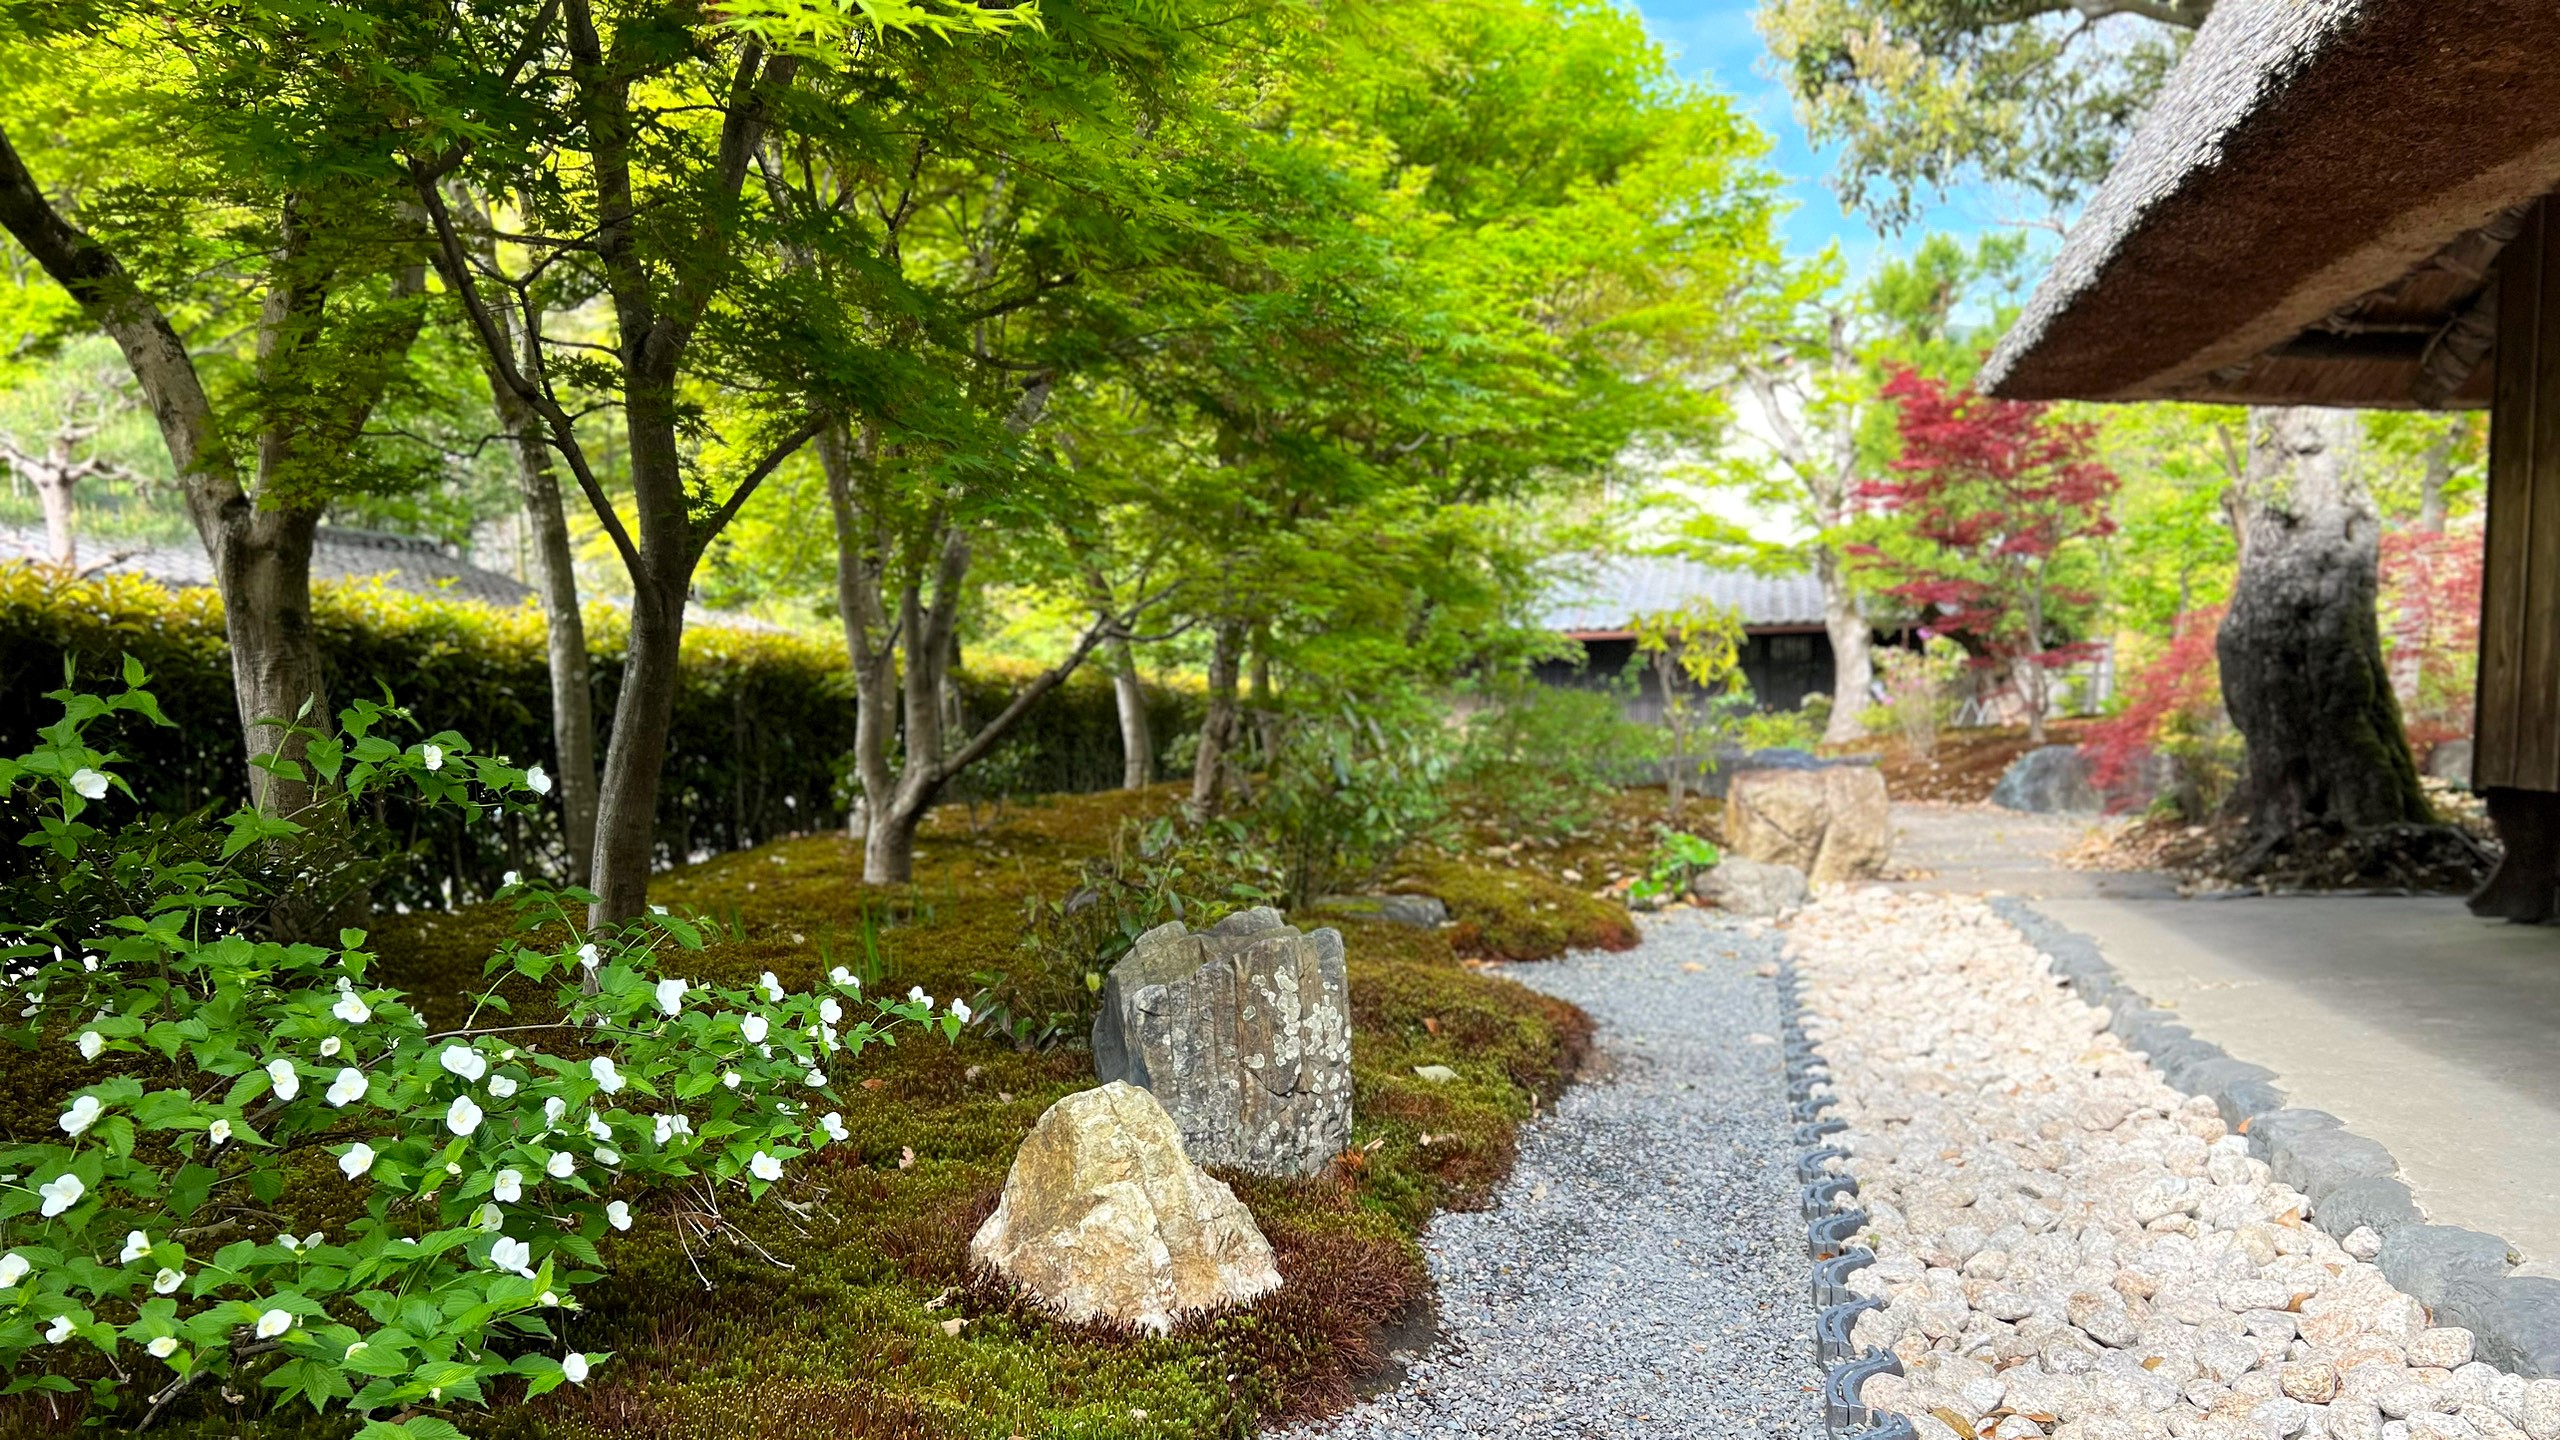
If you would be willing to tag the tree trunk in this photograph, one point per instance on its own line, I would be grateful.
(555, 578)
(1266, 716)
(61, 517)
(2439, 474)
(1137, 741)
(1853, 669)
(626, 834)
(2301, 651)
(1218, 726)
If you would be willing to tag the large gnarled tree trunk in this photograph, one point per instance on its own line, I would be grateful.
(2301, 650)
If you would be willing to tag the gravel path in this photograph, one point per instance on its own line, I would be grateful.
(1643, 1273)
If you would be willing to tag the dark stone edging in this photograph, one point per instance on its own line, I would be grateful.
(2460, 1275)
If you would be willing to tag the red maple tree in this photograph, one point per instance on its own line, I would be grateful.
(1994, 489)
(2430, 602)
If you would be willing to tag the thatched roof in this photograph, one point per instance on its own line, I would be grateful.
(2312, 201)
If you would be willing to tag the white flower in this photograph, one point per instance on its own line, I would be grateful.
(960, 1008)
(82, 1114)
(618, 1215)
(730, 1079)
(574, 1365)
(510, 1254)
(671, 994)
(511, 879)
(288, 1082)
(507, 1186)
(502, 1086)
(827, 1038)
(219, 1131)
(273, 1324)
(607, 1078)
(358, 1347)
(548, 1298)
(754, 1028)
(916, 993)
(560, 1164)
(607, 1155)
(588, 955)
(830, 1011)
(764, 1167)
(167, 1281)
(136, 1245)
(817, 1078)
(490, 1218)
(347, 1088)
(537, 781)
(833, 1124)
(90, 784)
(432, 756)
(357, 1161)
(842, 976)
(597, 1128)
(464, 1061)
(163, 1348)
(329, 1048)
(657, 909)
(771, 985)
(13, 1268)
(61, 1193)
(352, 1009)
(287, 1241)
(462, 1117)
(91, 1042)
(58, 1331)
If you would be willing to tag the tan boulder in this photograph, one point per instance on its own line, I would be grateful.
(1834, 824)
(1104, 1217)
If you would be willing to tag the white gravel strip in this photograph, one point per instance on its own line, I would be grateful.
(1642, 1273)
(2071, 1247)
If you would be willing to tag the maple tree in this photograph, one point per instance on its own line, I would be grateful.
(1988, 495)
(2431, 606)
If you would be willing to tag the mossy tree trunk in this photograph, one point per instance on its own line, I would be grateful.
(1220, 724)
(2301, 650)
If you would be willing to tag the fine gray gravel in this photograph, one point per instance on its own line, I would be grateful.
(1643, 1273)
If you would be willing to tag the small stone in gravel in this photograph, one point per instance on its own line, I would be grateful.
(2362, 1243)
(2449, 1347)
(2540, 1410)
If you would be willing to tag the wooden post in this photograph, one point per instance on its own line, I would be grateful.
(2516, 758)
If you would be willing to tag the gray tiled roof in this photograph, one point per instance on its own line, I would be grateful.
(400, 561)
(1619, 588)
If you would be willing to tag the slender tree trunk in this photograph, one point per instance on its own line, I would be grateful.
(1137, 741)
(61, 516)
(2039, 680)
(2439, 474)
(1266, 715)
(1853, 669)
(2301, 652)
(1218, 726)
(555, 579)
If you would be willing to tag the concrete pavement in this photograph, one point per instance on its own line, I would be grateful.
(2423, 1028)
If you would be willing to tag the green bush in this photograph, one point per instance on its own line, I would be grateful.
(1346, 793)
(763, 724)
(479, 1167)
(1549, 758)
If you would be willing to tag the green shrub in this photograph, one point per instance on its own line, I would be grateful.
(479, 1168)
(1347, 792)
(763, 723)
(1679, 858)
(1548, 759)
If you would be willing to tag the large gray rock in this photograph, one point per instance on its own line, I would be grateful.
(1833, 824)
(1104, 1218)
(1422, 912)
(2048, 780)
(1748, 887)
(1243, 1031)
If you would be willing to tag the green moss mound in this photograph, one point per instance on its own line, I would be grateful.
(845, 1305)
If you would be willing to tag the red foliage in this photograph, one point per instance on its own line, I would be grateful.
(1996, 487)
(2431, 606)
(2184, 679)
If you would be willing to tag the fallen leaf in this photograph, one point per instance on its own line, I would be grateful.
(1004, 1097)
(1692, 966)
(938, 1301)
(1956, 1422)
(952, 1326)
(1431, 1023)
(874, 1083)
(973, 1072)
(906, 1157)
(2152, 1362)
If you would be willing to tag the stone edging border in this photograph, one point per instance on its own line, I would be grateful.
(1822, 1172)
(2459, 1275)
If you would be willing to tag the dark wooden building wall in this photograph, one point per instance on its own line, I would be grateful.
(1783, 667)
(2518, 736)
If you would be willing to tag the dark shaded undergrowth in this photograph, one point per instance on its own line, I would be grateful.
(844, 1304)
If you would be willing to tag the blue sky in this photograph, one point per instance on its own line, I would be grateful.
(1714, 41)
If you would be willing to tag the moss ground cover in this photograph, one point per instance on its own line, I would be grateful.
(844, 1303)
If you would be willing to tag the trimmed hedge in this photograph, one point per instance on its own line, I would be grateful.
(761, 744)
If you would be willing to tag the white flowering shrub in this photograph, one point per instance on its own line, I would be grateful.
(489, 1159)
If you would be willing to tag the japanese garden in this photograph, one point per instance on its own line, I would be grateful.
(1153, 718)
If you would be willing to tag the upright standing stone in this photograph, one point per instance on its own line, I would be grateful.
(1833, 824)
(1243, 1031)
